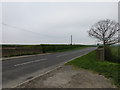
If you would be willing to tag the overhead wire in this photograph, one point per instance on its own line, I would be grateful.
(22, 29)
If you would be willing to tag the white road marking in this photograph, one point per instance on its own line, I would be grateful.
(61, 55)
(30, 62)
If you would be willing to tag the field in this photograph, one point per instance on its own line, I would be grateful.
(108, 69)
(17, 50)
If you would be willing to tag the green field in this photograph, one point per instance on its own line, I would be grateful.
(108, 69)
(61, 48)
(18, 50)
(48, 47)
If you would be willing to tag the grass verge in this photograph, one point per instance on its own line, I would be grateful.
(108, 69)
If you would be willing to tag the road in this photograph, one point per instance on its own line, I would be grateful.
(18, 70)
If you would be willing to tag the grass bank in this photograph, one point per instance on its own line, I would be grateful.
(108, 69)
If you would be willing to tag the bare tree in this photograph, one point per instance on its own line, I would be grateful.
(106, 31)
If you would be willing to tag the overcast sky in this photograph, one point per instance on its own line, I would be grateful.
(36, 23)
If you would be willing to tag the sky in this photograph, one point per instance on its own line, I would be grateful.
(53, 22)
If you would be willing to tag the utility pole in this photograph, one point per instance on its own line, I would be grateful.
(71, 39)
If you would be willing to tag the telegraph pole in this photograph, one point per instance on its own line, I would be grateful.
(71, 39)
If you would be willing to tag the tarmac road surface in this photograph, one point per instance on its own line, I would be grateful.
(18, 70)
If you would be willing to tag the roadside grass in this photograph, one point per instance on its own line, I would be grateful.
(108, 69)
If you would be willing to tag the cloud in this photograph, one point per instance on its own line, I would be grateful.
(54, 22)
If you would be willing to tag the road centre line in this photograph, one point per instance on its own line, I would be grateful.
(30, 62)
(61, 55)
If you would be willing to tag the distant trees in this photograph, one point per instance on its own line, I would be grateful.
(106, 31)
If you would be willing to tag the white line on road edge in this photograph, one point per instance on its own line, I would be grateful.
(49, 70)
(30, 62)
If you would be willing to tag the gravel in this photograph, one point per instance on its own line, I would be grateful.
(69, 77)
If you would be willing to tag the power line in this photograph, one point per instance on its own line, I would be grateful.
(21, 29)
(14, 27)
(18, 28)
